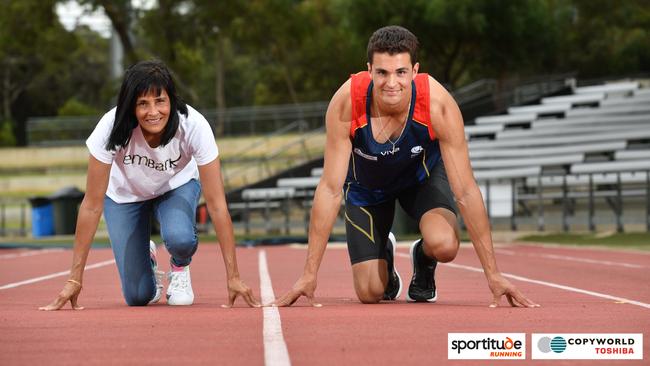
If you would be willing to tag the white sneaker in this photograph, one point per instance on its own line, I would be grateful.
(180, 291)
(158, 275)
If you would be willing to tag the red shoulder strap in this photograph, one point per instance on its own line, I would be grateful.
(422, 110)
(358, 95)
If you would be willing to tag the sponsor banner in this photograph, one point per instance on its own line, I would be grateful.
(587, 346)
(486, 346)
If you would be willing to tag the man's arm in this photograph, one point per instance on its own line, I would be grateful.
(448, 125)
(327, 199)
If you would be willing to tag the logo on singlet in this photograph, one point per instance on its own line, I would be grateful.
(364, 155)
(416, 150)
(390, 152)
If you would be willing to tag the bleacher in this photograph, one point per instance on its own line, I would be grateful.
(590, 148)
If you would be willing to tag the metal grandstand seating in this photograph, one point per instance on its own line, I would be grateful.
(575, 99)
(265, 199)
(542, 109)
(563, 130)
(609, 89)
(634, 134)
(506, 119)
(548, 150)
(637, 99)
(612, 109)
(483, 130)
(592, 120)
(611, 166)
(633, 154)
(551, 160)
(299, 183)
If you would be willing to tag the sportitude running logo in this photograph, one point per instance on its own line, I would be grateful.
(588, 346)
(486, 346)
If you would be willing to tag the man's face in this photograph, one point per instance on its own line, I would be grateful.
(392, 76)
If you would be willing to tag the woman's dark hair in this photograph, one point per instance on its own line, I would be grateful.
(393, 39)
(141, 79)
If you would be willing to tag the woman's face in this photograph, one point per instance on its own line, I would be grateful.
(152, 113)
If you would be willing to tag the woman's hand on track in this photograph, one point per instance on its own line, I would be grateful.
(70, 292)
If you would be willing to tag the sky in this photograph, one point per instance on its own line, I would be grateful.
(72, 14)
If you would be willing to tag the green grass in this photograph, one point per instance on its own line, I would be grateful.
(639, 241)
(616, 240)
(66, 241)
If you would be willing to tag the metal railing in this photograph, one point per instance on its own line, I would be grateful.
(248, 166)
(237, 121)
(13, 217)
(568, 201)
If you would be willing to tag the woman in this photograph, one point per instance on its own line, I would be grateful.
(146, 156)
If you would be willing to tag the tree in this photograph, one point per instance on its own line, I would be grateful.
(606, 38)
(122, 17)
(33, 55)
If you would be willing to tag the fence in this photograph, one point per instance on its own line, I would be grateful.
(237, 121)
(535, 202)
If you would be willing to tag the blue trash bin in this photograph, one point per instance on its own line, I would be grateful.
(42, 217)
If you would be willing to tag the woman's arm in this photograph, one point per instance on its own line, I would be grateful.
(90, 212)
(215, 198)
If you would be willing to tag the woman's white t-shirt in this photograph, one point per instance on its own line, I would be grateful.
(139, 172)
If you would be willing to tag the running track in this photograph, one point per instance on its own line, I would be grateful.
(581, 291)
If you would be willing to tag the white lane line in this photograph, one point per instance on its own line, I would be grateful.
(549, 284)
(569, 258)
(54, 275)
(30, 253)
(275, 349)
(581, 248)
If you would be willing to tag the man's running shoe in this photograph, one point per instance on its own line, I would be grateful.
(423, 284)
(394, 286)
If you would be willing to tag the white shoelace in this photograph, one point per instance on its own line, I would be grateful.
(178, 281)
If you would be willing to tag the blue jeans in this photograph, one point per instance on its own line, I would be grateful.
(129, 228)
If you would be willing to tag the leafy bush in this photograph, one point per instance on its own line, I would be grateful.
(73, 107)
(7, 137)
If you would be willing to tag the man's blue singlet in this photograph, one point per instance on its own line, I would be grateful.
(375, 173)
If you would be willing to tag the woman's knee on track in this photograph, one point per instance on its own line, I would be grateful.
(135, 297)
(181, 245)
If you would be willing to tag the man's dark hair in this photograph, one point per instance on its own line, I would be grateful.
(393, 39)
(140, 79)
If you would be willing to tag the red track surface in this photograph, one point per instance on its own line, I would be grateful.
(343, 332)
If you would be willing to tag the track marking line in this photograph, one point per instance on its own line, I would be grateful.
(54, 275)
(30, 253)
(275, 348)
(549, 284)
(570, 247)
(569, 258)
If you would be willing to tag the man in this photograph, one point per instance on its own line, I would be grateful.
(388, 132)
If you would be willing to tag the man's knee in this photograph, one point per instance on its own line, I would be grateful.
(369, 298)
(443, 246)
(369, 293)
